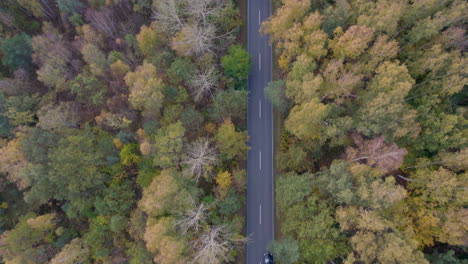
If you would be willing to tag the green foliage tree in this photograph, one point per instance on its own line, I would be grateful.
(286, 251)
(78, 168)
(88, 89)
(311, 222)
(231, 204)
(17, 51)
(118, 223)
(237, 66)
(293, 159)
(99, 238)
(181, 71)
(445, 258)
(276, 94)
(292, 188)
(168, 145)
(118, 198)
(230, 104)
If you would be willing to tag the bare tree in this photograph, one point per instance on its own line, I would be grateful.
(170, 14)
(195, 39)
(200, 158)
(191, 219)
(214, 244)
(203, 84)
(103, 20)
(66, 114)
(376, 153)
(203, 10)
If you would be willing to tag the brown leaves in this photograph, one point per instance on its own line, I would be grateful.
(376, 153)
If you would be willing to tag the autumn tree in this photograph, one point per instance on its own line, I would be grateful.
(224, 182)
(74, 252)
(351, 43)
(383, 108)
(231, 144)
(164, 194)
(146, 89)
(28, 241)
(52, 54)
(95, 58)
(12, 160)
(376, 153)
(305, 121)
(372, 242)
(149, 39)
(166, 248)
(382, 16)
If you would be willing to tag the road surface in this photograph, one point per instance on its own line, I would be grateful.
(260, 203)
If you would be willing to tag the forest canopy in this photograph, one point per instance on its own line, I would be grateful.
(122, 128)
(372, 159)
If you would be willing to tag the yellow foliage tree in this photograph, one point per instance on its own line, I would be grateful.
(224, 181)
(168, 249)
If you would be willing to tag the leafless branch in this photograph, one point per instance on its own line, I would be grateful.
(199, 159)
(191, 219)
(203, 83)
(214, 244)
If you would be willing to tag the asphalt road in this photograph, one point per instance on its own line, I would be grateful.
(260, 201)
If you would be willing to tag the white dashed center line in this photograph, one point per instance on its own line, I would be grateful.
(259, 61)
(260, 160)
(260, 109)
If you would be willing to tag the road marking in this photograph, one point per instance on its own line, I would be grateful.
(259, 22)
(260, 109)
(259, 62)
(260, 160)
(260, 213)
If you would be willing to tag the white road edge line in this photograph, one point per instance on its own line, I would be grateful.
(260, 213)
(260, 61)
(260, 109)
(260, 160)
(259, 22)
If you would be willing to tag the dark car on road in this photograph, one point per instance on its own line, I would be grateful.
(268, 258)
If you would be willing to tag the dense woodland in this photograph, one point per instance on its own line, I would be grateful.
(122, 126)
(373, 153)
